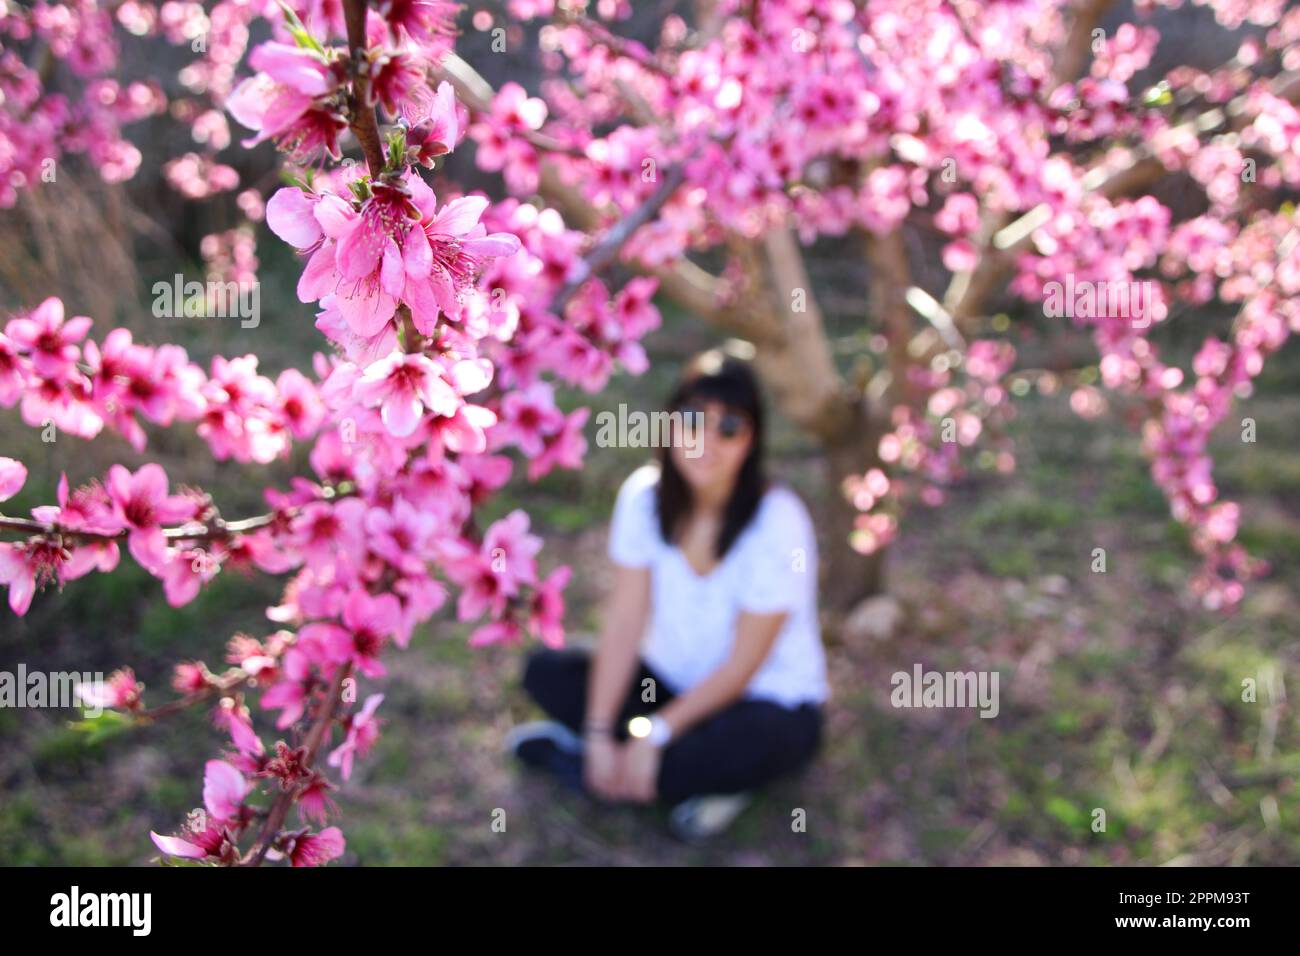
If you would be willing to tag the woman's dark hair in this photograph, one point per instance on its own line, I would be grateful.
(714, 376)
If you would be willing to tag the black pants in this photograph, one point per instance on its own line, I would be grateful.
(738, 748)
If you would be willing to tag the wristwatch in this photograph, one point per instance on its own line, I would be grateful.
(653, 729)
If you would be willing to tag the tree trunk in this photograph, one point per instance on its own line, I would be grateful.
(849, 438)
(847, 576)
(793, 358)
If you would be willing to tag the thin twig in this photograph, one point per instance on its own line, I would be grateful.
(606, 250)
(228, 681)
(214, 529)
(315, 737)
(361, 116)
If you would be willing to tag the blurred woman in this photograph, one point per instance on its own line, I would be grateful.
(708, 678)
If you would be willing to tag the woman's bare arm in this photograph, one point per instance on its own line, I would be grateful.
(755, 635)
(637, 778)
(626, 611)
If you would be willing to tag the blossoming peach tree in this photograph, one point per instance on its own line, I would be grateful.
(971, 153)
(439, 311)
(1012, 130)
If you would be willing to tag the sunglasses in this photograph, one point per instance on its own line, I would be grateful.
(729, 424)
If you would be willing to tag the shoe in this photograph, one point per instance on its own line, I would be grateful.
(548, 745)
(700, 818)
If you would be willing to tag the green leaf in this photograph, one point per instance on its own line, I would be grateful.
(396, 148)
(360, 188)
(1065, 812)
(302, 179)
(100, 728)
(1158, 95)
(298, 31)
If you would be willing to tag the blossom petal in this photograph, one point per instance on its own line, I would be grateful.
(175, 846)
(460, 215)
(291, 216)
(401, 414)
(13, 474)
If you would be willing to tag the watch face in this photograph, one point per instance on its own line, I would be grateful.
(639, 726)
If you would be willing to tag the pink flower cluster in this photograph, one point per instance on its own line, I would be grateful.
(962, 407)
(408, 429)
(397, 249)
(46, 118)
(64, 380)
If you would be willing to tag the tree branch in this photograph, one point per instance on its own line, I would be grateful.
(212, 530)
(606, 250)
(968, 291)
(687, 284)
(217, 529)
(286, 798)
(890, 279)
(361, 116)
(798, 364)
(228, 681)
(1072, 55)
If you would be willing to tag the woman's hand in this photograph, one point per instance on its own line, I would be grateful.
(640, 775)
(602, 765)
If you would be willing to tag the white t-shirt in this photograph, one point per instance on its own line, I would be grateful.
(771, 567)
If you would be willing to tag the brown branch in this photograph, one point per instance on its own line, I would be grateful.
(361, 115)
(1144, 165)
(216, 530)
(286, 798)
(968, 291)
(690, 286)
(228, 681)
(1074, 52)
(793, 352)
(890, 279)
(800, 366)
(607, 249)
(710, 18)
(477, 94)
